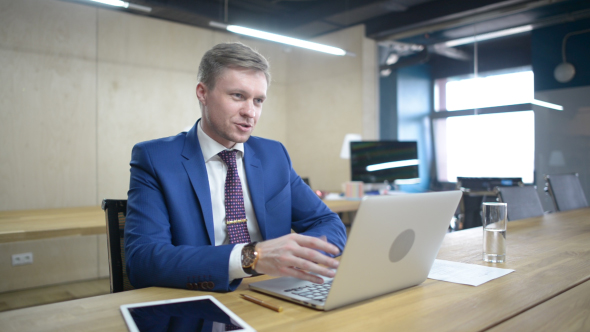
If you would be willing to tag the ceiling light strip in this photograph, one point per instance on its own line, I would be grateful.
(281, 39)
(546, 104)
(124, 4)
(488, 36)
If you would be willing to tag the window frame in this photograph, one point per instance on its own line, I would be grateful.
(440, 95)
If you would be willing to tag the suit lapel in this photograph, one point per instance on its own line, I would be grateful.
(197, 173)
(255, 178)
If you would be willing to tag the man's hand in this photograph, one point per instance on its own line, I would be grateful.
(296, 256)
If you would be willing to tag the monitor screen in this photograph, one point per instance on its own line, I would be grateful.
(380, 161)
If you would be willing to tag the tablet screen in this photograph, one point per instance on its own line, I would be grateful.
(193, 314)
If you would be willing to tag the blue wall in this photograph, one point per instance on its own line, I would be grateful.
(406, 102)
(546, 48)
(388, 107)
(414, 104)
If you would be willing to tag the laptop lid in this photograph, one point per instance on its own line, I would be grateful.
(392, 245)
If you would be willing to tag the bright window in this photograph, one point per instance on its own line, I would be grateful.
(488, 145)
(497, 90)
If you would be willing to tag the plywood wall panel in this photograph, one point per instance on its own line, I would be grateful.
(47, 130)
(138, 104)
(49, 27)
(325, 102)
(81, 85)
(149, 42)
(319, 117)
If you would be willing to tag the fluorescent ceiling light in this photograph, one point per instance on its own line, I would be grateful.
(546, 104)
(115, 3)
(124, 4)
(281, 39)
(391, 59)
(393, 164)
(487, 36)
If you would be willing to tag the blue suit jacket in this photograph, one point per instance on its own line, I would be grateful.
(169, 237)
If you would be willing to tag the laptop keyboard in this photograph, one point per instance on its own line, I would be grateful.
(317, 292)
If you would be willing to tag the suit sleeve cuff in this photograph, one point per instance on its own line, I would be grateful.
(235, 263)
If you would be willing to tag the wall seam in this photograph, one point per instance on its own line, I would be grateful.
(96, 107)
(96, 143)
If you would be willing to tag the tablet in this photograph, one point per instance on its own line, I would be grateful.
(200, 313)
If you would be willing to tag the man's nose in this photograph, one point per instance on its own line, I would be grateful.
(249, 109)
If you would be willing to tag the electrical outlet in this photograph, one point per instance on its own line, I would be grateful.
(22, 259)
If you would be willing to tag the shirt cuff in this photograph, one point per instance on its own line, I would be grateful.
(235, 263)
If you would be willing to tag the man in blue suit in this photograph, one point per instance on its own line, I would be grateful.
(178, 230)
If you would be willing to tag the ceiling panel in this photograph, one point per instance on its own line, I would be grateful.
(416, 21)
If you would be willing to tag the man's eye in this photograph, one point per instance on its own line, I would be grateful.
(259, 101)
(238, 95)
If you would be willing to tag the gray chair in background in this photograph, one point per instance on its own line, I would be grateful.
(566, 191)
(475, 192)
(523, 202)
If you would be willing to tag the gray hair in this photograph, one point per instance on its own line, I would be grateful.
(227, 55)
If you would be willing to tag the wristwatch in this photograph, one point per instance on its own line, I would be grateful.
(250, 258)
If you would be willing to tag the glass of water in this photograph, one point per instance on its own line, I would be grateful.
(494, 232)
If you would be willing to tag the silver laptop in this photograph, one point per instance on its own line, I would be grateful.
(391, 246)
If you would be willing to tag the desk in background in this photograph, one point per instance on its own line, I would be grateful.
(24, 225)
(346, 209)
(550, 255)
(68, 244)
(343, 205)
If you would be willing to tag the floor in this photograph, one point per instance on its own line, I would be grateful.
(52, 294)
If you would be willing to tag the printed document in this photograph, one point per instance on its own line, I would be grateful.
(462, 273)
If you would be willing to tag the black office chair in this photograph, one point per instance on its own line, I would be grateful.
(306, 180)
(115, 212)
(475, 192)
(523, 202)
(566, 191)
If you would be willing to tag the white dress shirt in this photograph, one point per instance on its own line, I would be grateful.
(216, 173)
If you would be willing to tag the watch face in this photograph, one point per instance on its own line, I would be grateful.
(248, 256)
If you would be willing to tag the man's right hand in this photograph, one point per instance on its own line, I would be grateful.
(297, 256)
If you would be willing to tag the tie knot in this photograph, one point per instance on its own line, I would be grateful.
(228, 156)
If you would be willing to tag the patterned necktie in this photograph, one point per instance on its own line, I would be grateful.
(235, 214)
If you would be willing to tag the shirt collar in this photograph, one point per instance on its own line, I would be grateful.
(211, 147)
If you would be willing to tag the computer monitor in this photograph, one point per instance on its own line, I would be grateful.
(380, 161)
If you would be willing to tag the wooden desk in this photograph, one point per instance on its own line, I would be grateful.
(48, 223)
(26, 225)
(343, 205)
(569, 311)
(550, 255)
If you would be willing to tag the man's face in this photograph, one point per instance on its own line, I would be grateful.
(232, 108)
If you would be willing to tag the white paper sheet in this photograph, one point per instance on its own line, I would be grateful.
(462, 273)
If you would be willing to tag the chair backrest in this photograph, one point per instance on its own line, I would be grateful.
(523, 202)
(566, 191)
(486, 184)
(475, 192)
(115, 212)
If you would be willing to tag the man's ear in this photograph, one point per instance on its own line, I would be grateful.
(202, 93)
